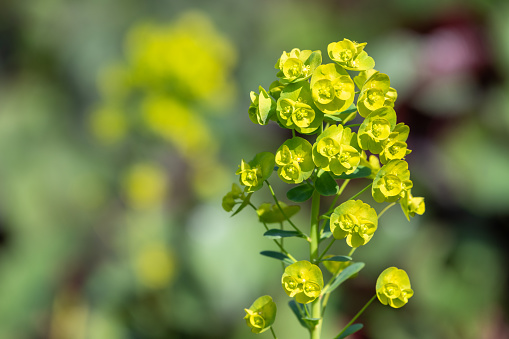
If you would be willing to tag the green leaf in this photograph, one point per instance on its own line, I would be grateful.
(312, 322)
(325, 184)
(338, 258)
(300, 193)
(299, 312)
(344, 275)
(277, 234)
(277, 255)
(326, 233)
(350, 330)
(360, 172)
(244, 204)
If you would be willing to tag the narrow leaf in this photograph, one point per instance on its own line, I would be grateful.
(325, 184)
(277, 255)
(360, 172)
(244, 204)
(350, 330)
(338, 258)
(300, 193)
(345, 274)
(299, 312)
(277, 234)
(325, 235)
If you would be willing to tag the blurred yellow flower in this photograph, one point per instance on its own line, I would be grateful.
(145, 186)
(108, 124)
(155, 265)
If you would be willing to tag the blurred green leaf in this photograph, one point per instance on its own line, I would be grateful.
(350, 330)
(325, 184)
(277, 255)
(338, 258)
(278, 234)
(345, 274)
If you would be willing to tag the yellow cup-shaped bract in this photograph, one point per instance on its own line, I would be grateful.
(261, 315)
(354, 220)
(303, 281)
(393, 287)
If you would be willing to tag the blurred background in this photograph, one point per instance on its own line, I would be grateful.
(122, 124)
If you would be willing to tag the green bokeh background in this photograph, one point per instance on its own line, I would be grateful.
(81, 258)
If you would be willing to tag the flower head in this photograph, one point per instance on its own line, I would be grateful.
(412, 205)
(391, 181)
(376, 93)
(393, 287)
(295, 160)
(253, 173)
(297, 65)
(350, 55)
(261, 315)
(354, 220)
(302, 280)
(332, 88)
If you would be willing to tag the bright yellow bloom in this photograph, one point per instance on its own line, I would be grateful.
(393, 287)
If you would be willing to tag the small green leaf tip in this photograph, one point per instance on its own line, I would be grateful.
(393, 287)
(350, 55)
(302, 281)
(412, 206)
(262, 108)
(354, 220)
(261, 315)
(391, 181)
(253, 173)
(295, 160)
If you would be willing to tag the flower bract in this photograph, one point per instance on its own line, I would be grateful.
(296, 110)
(376, 129)
(391, 181)
(336, 150)
(412, 205)
(270, 214)
(253, 173)
(302, 281)
(376, 93)
(295, 160)
(229, 200)
(393, 287)
(355, 220)
(297, 65)
(261, 315)
(332, 88)
(350, 55)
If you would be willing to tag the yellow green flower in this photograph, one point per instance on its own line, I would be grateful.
(332, 88)
(412, 205)
(262, 107)
(350, 55)
(391, 181)
(375, 93)
(261, 315)
(372, 162)
(253, 173)
(302, 281)
(336, 150)
(393, 287)
(376, 128)
(354, 220)
(296, 110)
(297, 65)
(295, 160)
(395, 146)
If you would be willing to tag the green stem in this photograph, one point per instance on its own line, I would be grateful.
(353, 125)
(293, 133)
(356, 316)
(385, 209)
(351, 251)
(273, 333)
(349, 117)
(280, 209)
(316, 308)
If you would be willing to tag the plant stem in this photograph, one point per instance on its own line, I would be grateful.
(385, 209)
(356, 316)
(280, 209)
(273, 333)
(362, 191)
(316, 309)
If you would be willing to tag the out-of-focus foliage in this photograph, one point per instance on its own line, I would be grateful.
(118, 119)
